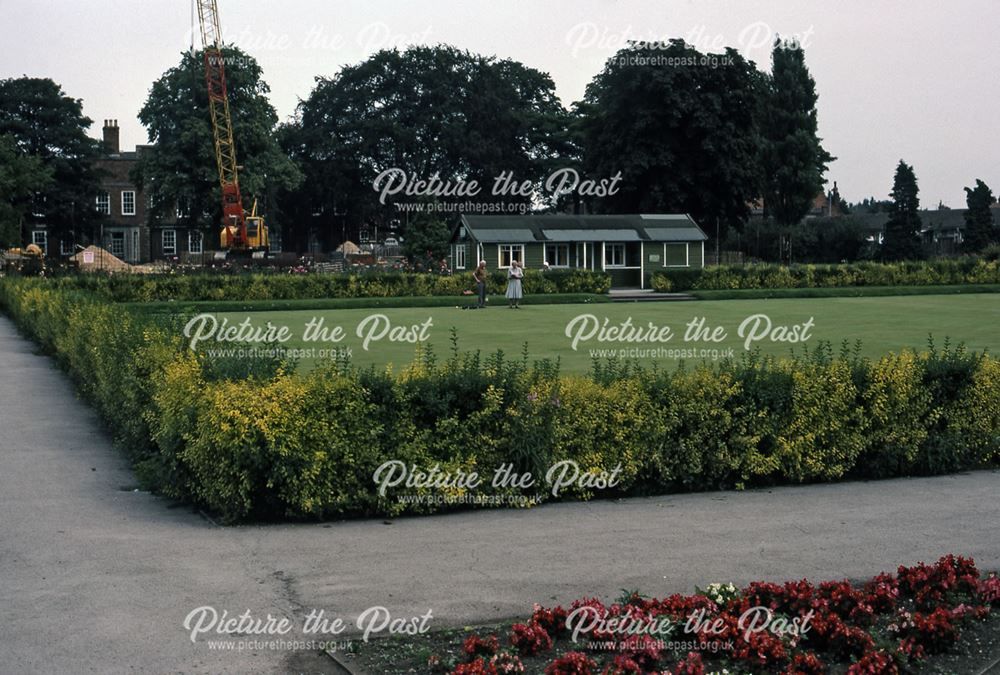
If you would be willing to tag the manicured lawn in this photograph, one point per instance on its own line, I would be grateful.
(882, 324)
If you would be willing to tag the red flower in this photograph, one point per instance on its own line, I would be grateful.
(623, 665)
(934, 632)
(874, 663)
(989, 590)
(882, 593)
(530, 639)
(552, 620)
(805, 664)
(572, 663)
(476, 646)
(505, 662)
(692, 665)
(477, 667)
(928, 584)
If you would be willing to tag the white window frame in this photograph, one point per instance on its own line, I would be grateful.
(196, 241)
(126, 212)
(460, 256)
(172, 249)
(112, 239)
(65, 247)
(519, 248)
(609, 256)
(564, 248)
(687, 253)
(103, 203)
(41, 241)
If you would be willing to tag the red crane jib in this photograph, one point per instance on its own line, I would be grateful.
(233, 215)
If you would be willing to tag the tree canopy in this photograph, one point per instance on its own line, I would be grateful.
(41, 122)
(980, 230)
(681, 126)
(180, 169)
(21, 178)
(426, 111)
(901, 237)
(792, 158)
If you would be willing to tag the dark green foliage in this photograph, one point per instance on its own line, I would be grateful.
(21, 177)
(980, 228)
(180, 172)
(793, 158)
(736, 277)
(902, 231)
(49, 126)
(426, 111)
(681, 126)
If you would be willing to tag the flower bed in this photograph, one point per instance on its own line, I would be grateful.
(889, 624)
(253, 439)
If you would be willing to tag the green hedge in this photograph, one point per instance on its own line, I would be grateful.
(286, 286)
(733, 277)
(263, 441)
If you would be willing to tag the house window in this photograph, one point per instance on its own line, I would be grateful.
(128, 202)
(65, 247)
(557, 255)
(460, 257)
(41, 239)
(104, 203)
(169, 242)
(194, 241)
(614, 255)
(675, 255)
(509, 253)
(118, 244)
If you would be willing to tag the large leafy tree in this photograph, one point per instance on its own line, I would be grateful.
(179, 171)
(902, 238)
(426, 244)
(41, 122)
(21, 178)
(980, 230)
(792, 157)
(681, 127)
(426, 110)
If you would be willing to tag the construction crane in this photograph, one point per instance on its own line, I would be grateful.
(241, 232)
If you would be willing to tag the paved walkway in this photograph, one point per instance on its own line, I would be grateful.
(97, 578)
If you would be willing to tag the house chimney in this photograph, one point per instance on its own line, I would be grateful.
(111, 140)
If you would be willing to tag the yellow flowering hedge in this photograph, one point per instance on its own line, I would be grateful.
(743, 277)
(272, 442)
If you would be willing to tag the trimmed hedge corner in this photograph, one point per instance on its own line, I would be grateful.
(268, 442)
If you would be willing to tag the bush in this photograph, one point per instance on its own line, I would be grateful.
(266, 442)
(245, 286)
(743, 277)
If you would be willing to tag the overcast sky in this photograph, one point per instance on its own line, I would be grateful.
(918, 80)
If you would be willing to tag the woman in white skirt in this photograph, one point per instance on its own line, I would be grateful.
(514, 291)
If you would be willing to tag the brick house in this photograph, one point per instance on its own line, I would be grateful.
(125, 229)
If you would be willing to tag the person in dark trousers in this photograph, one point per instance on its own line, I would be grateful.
(480, 276)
